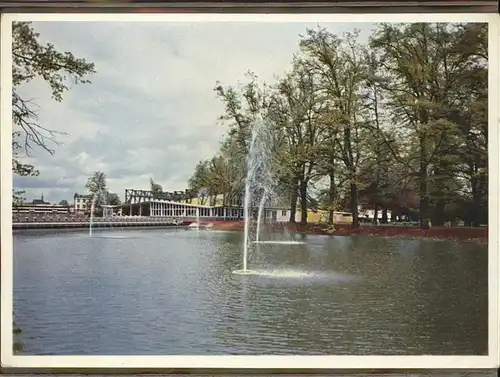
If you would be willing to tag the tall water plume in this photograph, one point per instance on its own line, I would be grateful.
(259, 179)
(92, 209)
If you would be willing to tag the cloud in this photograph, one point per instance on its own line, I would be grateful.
(151, 110)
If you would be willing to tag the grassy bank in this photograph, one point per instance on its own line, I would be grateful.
(479, 235)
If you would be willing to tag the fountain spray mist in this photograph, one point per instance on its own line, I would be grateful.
(257, 178)
(259, 215)
(92, 208)
(246, 203)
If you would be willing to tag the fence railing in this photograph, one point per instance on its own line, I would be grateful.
(83, 219)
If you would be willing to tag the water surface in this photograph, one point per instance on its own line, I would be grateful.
(173, 292)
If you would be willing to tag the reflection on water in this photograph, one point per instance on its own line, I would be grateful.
(174, 292)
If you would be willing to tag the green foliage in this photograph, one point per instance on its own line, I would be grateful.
(225, 172)
(113, 199)
(32, 59)
(156, 188)
(400, 124)
(63, 202)
(96, 185)
(17, 198)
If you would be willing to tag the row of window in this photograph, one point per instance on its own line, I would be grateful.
(83, 200)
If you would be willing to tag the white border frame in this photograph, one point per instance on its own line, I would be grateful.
(244, 362)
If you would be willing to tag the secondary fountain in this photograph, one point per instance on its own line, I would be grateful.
(92, 208)
(99, 195)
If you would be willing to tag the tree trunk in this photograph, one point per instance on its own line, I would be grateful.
(438, 219)
(424, 199)
(293, 200)
(375, 214)
(354, 205)
(482, 200)
(476, 203)
(385, 218)
(303, 202)
(331, 198)
(330, 217)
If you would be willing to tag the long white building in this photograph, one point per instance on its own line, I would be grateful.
(164, 208)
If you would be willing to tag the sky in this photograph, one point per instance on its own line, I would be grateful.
(150, 111)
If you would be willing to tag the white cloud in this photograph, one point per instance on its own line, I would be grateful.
(151, 110)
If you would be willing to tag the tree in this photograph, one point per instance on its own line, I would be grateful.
(156, 188)
(243, 104)
(399, 123)
(113, 199)
(18, 198)
(470, 113)
(340, 64)
(423, 67)
(230, 170)
(375, 169)
(96, 185)
(200, 181)
(295, 110)
(63, 202)
(31, 59)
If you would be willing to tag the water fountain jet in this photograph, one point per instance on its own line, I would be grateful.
(92, 209)
(259, 215)
(257, 179)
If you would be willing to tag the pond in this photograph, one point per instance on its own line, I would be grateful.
(173, 292)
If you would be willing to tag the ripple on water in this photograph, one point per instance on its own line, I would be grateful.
(279, 242)
(174, 292)
(115, 236)
(298, 275)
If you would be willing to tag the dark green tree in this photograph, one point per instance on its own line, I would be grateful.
(32, 59)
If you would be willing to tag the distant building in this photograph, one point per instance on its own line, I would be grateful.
(82, 203)
(39, 201)
(369, 214)
(314, 216)
(40, 209)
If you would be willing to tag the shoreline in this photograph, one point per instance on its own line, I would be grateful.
(81, 225)
(477, 235)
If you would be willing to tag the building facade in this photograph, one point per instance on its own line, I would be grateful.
(82, 203)
(168, 209)
(369, 215)
(29, 212)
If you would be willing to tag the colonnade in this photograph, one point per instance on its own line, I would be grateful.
(169, 209)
